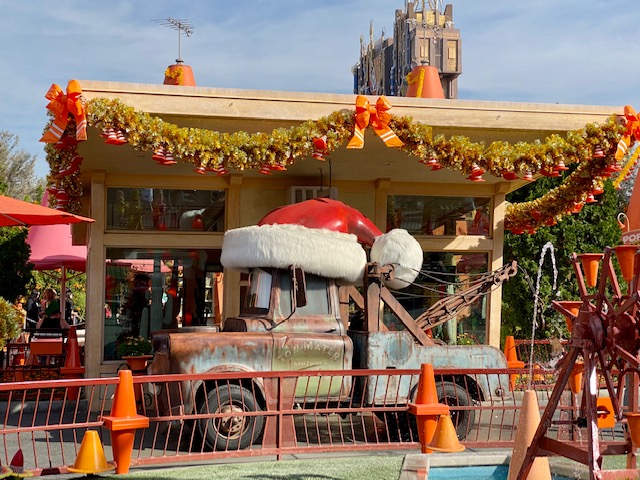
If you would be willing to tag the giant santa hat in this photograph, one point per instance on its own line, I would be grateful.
(323, 237)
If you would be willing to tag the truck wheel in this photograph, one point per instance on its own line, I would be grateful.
(454, 395)
(230, 433)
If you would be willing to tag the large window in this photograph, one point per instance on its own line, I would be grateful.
(149, 290)
(425, 215)
(165, 209)
(447, 275)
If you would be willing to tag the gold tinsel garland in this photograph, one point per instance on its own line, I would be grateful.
(59, 159)
(175, 74)
(283, 146)
(411, 79)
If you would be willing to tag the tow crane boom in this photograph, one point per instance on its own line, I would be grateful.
(445, 308)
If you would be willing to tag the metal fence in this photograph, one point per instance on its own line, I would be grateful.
(201, 417)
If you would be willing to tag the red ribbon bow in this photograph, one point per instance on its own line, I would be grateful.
(62, 105)
(633, 130)
(378, 117)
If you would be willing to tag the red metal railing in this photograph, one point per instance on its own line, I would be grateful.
(279, 412)
(39, 419)
(543, 353)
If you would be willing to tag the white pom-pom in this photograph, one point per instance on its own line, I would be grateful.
(401, 250)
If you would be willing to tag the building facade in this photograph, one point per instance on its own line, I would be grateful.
(161, 213)
(422, 35)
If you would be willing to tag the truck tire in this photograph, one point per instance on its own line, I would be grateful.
(452, 394)
(230, 433)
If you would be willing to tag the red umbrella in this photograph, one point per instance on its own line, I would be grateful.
(15, 213)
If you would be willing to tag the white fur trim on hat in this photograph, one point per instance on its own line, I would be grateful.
(317, 250)
(398, 248)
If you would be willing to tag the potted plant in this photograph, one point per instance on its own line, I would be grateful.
(135, 350)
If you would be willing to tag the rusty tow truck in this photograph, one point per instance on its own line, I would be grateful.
(297, 316)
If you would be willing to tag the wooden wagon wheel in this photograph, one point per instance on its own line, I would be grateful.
(606, 333)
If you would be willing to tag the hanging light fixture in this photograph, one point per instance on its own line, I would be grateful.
(320, 144)
(158, 154)
(560, 166)
(168, 159)
(265, 170)
(476, 174)
(598, 152)
(577, 206)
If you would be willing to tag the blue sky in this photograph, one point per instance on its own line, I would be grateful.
(570, 52)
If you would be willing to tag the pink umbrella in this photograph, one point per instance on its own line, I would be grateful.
(53, 249)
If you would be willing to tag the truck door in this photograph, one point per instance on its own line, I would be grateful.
(310, 336)
(314, 352)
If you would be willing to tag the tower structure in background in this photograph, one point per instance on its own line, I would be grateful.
(422, 35)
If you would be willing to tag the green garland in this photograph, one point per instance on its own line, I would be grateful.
(283, 146)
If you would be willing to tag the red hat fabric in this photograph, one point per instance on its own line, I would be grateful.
(324, 237)
(17, 466)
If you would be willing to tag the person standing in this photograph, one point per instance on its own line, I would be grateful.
(33, 308)
(50, 316)
(68, 307)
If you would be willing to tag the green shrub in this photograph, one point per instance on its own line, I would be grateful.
(11, 319)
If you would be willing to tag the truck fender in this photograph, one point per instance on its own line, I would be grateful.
(259, 383)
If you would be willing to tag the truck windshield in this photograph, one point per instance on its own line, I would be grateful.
(258, 292)
(317, 296)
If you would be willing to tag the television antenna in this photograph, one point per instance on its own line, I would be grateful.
(182, 26)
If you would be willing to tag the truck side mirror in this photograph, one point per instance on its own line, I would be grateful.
(298, 286)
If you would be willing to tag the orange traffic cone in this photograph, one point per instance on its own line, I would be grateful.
(512, 359)
(445, 438)
(72, 358)
(427, 394)
(426, 408)
(510, 349)
(17, 466)
(124, 421)
(91, 459)
(528, 421)
(72, 366)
